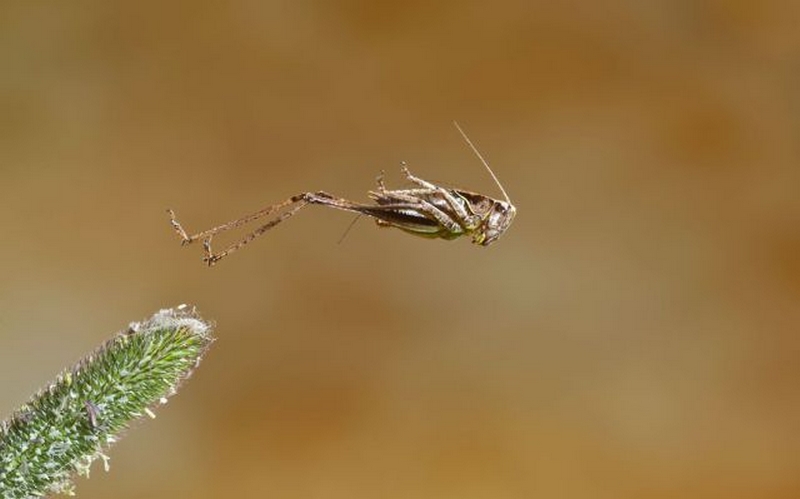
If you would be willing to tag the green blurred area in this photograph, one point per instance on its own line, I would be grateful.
(633, 335)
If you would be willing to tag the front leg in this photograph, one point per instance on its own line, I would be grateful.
(470, 220)
(416, 180)
(379, 181)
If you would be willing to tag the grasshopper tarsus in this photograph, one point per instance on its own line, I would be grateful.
(404, 169)
(176, 226)
(209, 258)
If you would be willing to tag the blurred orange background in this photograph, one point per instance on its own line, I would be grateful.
(634, 334)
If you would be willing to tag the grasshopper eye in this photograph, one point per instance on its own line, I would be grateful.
(503, 208)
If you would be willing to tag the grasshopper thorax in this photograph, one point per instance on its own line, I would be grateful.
(496, 220)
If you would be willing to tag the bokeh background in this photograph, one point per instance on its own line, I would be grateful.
(635, 333)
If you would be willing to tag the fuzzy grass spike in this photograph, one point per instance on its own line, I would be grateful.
(72, 422)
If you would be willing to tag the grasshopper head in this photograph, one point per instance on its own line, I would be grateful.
(494, 223)
(495, 215)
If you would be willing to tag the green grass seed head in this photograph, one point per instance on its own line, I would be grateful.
(69, 424)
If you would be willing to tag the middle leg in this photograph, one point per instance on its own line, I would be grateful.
(470, 220)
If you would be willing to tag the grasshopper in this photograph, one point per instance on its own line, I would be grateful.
(426, 210)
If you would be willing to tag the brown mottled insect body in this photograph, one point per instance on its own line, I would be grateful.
(438, 212)
(426, 210)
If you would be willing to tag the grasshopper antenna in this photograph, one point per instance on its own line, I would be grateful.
(477, 153)
(347, 230)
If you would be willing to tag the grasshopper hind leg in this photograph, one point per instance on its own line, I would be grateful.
(300, 201)
(211, 258)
